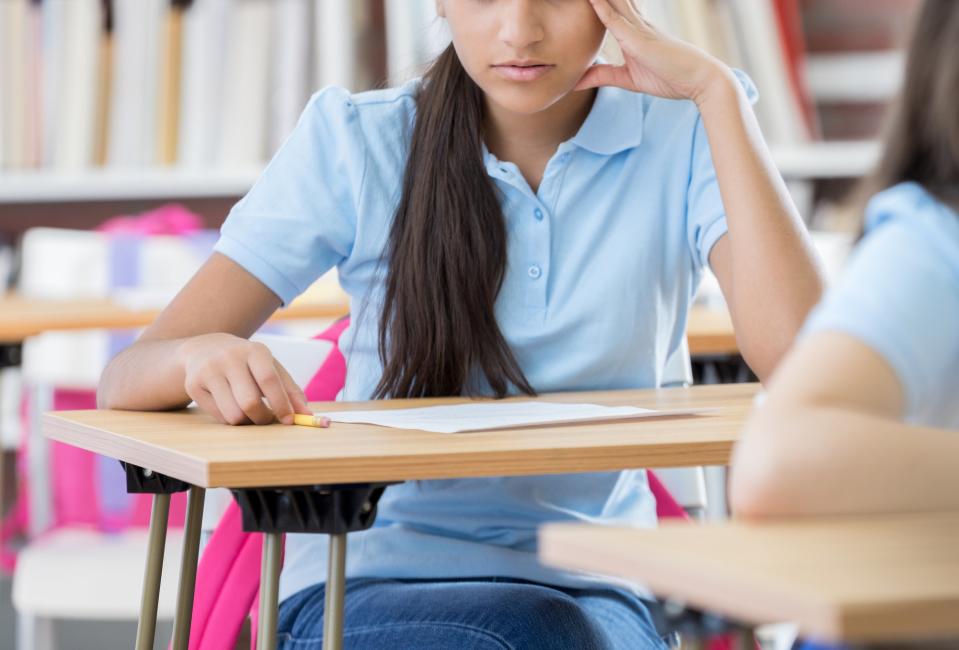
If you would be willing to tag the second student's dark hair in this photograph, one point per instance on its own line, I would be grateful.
(922, 137)
(446, 253)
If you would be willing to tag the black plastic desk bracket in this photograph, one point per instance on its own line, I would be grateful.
(145, 481)
(10, 354)
(326, 509)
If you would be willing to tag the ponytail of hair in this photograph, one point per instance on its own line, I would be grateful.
(446, 253)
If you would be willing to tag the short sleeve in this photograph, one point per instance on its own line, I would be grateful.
(899, 294)
(299, 219)
(705, 214)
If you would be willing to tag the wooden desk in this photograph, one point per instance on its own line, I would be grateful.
(191, 447)
(709, 332)
(855, 579)
(21, 318)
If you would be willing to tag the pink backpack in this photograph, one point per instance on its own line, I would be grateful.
(86, 489)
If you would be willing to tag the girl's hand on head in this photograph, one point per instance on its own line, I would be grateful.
(228, 377)
(654, 63)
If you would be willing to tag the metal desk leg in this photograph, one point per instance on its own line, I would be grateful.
(335, 591)
(333, 510)
(191, 552)
(269, 591)
(9, 358)
(747, 639)
(149, 600)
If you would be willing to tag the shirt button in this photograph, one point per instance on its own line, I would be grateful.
(538, 214)
(564, 157)
(534, 272)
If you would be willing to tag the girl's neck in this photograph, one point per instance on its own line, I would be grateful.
(516, 136)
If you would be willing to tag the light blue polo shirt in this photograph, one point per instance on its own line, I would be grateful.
(603, 262)
(899, 294)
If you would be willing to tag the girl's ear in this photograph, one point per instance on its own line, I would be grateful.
(440, 9)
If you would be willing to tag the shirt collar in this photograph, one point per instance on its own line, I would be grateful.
(614, 123)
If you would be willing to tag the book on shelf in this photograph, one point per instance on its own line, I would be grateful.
(171, 63)
(792, 40)
(205, 30)
(134, 106)
(79, 71)
(290, 71)
(20, 78)
(104, 83)
(242, 114)
(349, 35)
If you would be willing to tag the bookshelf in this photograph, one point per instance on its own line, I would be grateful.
(806, 55)
(855, 76)
(826, 160)
(123, 185)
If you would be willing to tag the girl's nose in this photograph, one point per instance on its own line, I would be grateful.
(520, 23)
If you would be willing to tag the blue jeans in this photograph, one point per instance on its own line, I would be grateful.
(472, 614)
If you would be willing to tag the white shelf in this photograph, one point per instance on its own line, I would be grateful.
(816, 160)
(850, 159)
(855, 76)
(111, 185)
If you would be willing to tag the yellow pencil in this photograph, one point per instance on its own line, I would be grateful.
(311, 420)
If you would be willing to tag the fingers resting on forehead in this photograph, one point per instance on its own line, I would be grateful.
(628, 9)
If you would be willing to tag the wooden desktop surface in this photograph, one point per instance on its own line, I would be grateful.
(190, 446)
(709, 331)
(21, 318)
(857, 579)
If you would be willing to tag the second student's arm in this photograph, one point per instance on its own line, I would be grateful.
(830, 440)
(861, 415)
(197, 349)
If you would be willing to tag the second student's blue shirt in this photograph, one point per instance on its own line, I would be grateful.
(899, 295)
(603, 262)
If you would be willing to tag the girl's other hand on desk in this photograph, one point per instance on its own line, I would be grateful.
(654, 63)
(228, 377)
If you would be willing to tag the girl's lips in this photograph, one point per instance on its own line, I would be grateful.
(522, 73)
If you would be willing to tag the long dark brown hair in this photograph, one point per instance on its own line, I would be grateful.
(922, 136)
(446, 253)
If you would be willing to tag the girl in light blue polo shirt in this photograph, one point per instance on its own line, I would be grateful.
(868, 403)
(519, 220)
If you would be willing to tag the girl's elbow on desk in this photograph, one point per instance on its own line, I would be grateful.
(774, 467)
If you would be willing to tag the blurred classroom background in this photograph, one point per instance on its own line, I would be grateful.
(128, 128)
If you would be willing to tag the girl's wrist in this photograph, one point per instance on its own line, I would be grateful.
(187, 348)
(719, 88)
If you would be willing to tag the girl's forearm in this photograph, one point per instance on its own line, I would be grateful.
(820, 460)
(775, 274)
(147, 376)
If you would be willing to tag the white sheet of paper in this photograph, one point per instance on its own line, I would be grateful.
(488, 416)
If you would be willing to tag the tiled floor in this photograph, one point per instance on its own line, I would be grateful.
(7, 618)
(82, 635)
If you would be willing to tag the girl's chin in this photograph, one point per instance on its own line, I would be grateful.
(523, 101)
